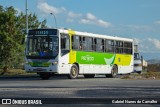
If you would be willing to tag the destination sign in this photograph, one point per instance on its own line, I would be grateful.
(43, 32)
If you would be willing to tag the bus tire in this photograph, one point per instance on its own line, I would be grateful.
(73, 72)
(114, 71)
(139, 72)
(44, 76)
(89, 75)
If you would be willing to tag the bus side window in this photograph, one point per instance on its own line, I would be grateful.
(65, 46)
(80, 43)
(89, 43)
(94, 44)
(75, 42)
(109, 46)
(84, 45)
(128, 48)
(103, 46)
(99, 46)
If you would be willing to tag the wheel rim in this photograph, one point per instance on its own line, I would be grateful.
(74, 72)
(114, 71)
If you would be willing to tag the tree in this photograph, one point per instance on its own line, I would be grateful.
(12, 27)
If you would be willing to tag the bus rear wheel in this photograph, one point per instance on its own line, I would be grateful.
(45, 76)
(114, 71)
(73, 72)
(89, 75)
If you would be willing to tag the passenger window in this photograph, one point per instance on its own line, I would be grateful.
(128, 48)
(99, 45)
(75, 42)
(109, 46)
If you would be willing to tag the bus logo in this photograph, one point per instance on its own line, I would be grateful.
(87, 58)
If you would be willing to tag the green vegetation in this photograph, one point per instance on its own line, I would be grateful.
(144, 75)
(153, 68)
(15, 72)
(12, 32)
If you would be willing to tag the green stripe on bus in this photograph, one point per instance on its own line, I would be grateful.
(94, 58)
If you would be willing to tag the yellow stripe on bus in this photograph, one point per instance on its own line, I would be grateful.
(123, 60)
(72, 54)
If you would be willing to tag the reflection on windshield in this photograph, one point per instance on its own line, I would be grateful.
(42, 46)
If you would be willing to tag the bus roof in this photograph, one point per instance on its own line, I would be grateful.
(94, 35)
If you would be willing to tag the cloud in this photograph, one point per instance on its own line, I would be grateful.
(74, 15)
(136, 41)
(69, 20)
(148, 45)
(47, 9)
(139, 27)
(18, 10)
(88, 18)
(155, 42)
(157, 22)
(93, 20)
(104, 23)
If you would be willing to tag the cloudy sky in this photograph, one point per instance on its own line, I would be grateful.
(137, 19)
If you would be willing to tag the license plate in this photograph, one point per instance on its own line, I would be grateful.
(39, 69)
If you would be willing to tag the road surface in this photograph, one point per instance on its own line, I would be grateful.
(99, 87)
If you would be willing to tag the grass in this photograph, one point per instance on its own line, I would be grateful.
(15, 72)
(144, 75)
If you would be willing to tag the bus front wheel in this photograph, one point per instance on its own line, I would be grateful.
(73, 72)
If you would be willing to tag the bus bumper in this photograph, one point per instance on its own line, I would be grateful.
(51, 68)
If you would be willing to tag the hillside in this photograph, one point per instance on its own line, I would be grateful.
(154, 61)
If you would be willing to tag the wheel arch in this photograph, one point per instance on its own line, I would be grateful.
(77, 65)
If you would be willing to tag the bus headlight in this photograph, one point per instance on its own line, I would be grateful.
(55, 63)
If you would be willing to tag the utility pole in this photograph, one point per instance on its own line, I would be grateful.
(26, 20)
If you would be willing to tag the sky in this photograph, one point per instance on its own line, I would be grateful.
(136, 19)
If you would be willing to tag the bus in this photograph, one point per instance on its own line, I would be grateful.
(138, 60)
(72, 53)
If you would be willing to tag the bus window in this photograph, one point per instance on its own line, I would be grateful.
(109, 45)
(127, 48)
(65, 47)
(103, 46)
(89, 43)
(84, 44)
(80, 43)
(75, 42)
(99, 46)
(119, 46)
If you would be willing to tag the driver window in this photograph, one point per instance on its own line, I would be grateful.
(65, 47)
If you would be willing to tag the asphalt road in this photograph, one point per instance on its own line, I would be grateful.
(99, 87)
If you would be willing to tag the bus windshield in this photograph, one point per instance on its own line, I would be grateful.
(42, 46)
(136, 56)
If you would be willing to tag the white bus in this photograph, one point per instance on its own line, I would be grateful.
(73, 53)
